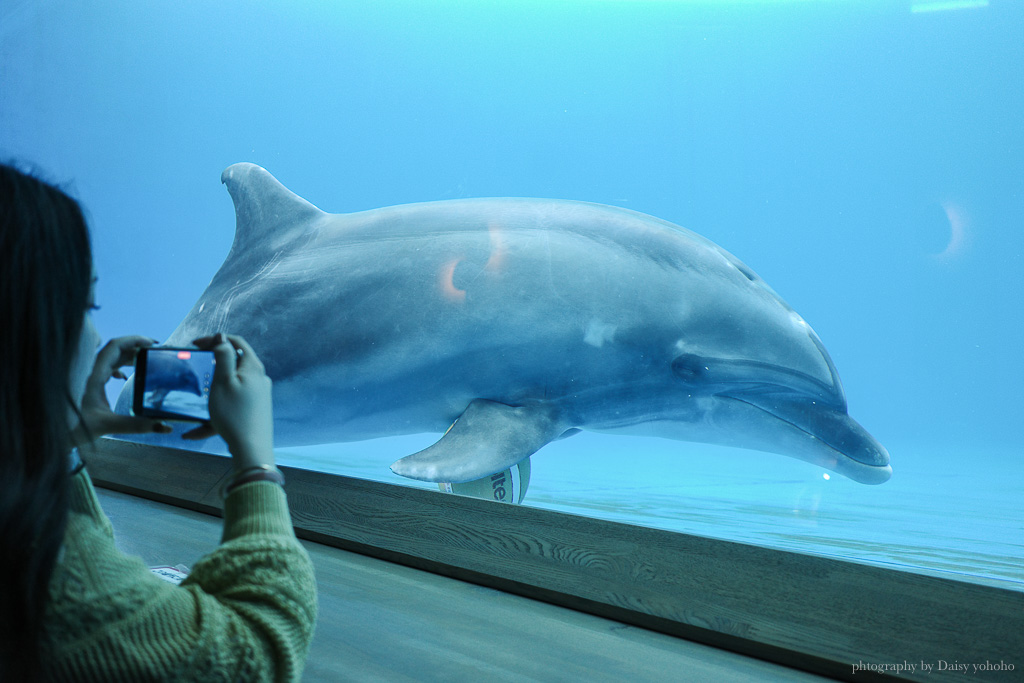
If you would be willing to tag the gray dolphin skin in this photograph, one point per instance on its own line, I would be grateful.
(511, 323)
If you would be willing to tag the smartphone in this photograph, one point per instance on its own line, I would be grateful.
(173, 383)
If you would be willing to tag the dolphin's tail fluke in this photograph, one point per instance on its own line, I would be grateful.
(267, 214)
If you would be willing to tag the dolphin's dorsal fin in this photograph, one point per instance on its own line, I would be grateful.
(267, 213)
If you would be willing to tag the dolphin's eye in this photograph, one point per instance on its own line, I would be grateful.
(689, 368)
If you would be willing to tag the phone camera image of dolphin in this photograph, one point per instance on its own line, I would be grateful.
(168, 373)
(507, 323)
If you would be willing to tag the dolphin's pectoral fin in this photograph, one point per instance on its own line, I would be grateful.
(487, 438)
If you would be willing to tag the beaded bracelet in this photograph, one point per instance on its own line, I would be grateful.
(251, 474)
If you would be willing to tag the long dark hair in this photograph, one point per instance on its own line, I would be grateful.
(45, 277)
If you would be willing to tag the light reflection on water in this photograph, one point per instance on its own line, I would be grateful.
(935, 515)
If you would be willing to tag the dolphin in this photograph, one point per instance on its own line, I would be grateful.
(507, 323)
(170, 374)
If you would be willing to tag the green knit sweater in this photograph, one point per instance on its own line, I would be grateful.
(245, 613)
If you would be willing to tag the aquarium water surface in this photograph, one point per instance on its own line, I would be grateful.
(866, 159)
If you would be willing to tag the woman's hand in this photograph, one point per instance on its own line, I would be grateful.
(240, 402)
(97, 417)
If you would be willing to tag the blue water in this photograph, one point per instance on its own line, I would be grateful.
(865, 158)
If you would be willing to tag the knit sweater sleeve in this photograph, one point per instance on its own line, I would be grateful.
(245, 613)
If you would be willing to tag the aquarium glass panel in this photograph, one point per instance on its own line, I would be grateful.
(748, 270)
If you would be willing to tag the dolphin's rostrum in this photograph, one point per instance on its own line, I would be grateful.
(513, 322)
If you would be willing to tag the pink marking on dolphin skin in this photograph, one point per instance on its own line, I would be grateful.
(446, 281)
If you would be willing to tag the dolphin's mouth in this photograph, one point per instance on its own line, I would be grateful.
(809, 416)
(854, 452)
(732, 378)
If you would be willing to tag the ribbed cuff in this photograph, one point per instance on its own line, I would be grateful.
(259, 507)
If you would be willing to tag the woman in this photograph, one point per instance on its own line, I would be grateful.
(72, 607)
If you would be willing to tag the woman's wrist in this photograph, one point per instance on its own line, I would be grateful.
(247, 456)
(257, 473)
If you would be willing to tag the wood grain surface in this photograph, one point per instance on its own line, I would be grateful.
(818, 614)
(380, 621)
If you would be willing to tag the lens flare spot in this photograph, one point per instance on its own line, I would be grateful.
(496, 260)
(959, 232)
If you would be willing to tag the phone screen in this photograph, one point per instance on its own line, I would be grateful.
(173, 383)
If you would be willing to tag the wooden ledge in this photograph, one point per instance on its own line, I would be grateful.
(813, 613)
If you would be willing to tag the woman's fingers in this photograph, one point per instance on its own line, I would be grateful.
(114, 423)
(206, 343)
(97, 416)
(121, 351)
(100, 422)
(223, 353)
(233, 354)
(118, 352)
(240, 400)
(247, 359)
(203, 431)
